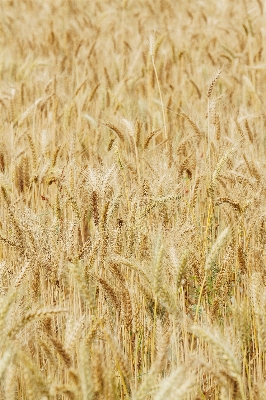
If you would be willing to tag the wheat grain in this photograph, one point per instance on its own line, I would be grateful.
(213, 83)
(215, 250)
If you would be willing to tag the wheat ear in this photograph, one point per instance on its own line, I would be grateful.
(158, 84)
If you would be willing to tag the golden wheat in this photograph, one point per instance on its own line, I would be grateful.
(123, 217)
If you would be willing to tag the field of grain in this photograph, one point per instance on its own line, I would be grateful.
(133, 200)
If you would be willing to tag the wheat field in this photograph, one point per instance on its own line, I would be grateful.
(133, 200)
